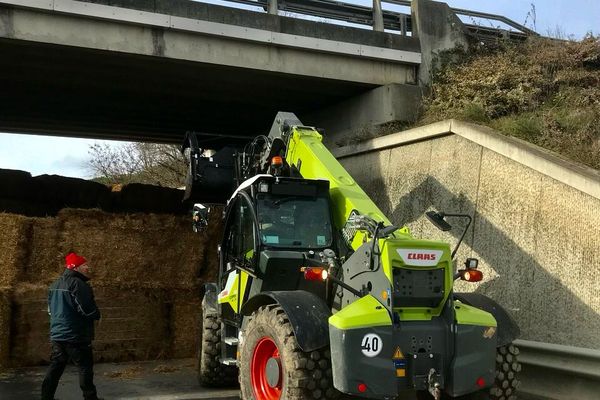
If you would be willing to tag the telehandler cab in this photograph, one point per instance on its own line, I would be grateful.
(320, 295)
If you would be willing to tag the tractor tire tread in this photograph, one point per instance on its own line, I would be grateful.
(507, 363)
(211, 372)
(308, 374)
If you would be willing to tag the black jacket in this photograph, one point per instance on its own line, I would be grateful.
(72, 308)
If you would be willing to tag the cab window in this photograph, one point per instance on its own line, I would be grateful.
(294, 221)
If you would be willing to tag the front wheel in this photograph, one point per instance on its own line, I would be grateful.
(211, 373)
(272, 365)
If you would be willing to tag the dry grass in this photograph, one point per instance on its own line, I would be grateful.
(544, 91)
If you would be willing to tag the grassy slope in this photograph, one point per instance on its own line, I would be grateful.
(546, 92)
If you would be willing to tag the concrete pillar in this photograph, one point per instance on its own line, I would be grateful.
(367, 115)
(272, 7)
(377, 16)
(438, 29)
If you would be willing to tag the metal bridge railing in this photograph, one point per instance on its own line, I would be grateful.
(381, 19)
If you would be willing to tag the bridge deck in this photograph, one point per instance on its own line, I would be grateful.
(155, 70)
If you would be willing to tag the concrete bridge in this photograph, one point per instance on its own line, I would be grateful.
(151, 70)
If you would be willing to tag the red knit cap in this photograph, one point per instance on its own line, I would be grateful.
(73, 260)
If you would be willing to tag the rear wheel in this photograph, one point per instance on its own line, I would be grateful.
(274, 367)
(507, 373)
(211, 372)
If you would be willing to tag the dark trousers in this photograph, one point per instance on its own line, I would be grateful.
(81, 355)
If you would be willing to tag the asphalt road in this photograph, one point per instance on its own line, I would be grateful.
(153, 380)
(150, 380)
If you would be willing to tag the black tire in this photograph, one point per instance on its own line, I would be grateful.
(211, 373)
(302, 375)
(506, 382)
(507, 373)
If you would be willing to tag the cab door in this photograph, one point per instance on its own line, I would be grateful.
(237, 255)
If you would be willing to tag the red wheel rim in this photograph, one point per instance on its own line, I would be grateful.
(264, 350)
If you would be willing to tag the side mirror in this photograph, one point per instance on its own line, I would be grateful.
(199, 217)
(437, 219)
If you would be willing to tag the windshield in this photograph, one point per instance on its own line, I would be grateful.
(294, 221)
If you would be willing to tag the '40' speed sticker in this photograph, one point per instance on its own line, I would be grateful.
(371, 345)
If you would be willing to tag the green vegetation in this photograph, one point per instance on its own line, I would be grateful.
(543, 91)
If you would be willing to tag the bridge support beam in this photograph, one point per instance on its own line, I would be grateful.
(439, 29)
(379, 111)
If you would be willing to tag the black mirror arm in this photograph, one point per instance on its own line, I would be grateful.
(464, 232)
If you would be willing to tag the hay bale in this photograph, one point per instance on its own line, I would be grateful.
(45, 262)
(31, 326)
(5, 318)
(185, 323)
(134, 324)
(15, 231)
(16, 184)
(137, 197)
(63, 192)
(136, 250)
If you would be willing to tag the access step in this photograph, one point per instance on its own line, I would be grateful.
(229, 361)
(231, 341)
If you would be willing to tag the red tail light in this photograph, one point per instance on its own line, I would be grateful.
(480, 382)
(315, 273)
(471, 275)
(362, 387)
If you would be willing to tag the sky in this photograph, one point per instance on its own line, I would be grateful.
(69, 157)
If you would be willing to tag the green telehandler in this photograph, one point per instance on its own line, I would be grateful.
(319, 295)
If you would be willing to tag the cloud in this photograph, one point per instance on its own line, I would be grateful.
(70, 165)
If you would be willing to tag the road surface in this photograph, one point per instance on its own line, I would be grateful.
(153, 380)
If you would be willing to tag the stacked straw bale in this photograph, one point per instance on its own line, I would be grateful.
(135, 324)
(16, 185)
(30, 325)
(148, 270)
(5, 318)
(45, 262)
(138, 197)
(141, 250)
(148, 266)
(15, 231)
(186, 319)
(46, 195)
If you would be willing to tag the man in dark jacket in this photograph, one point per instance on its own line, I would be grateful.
(72, 311)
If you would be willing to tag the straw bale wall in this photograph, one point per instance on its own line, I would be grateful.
(185, 317)
(13, 246)
(148, 269)
(5, 317)
(46, 195)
